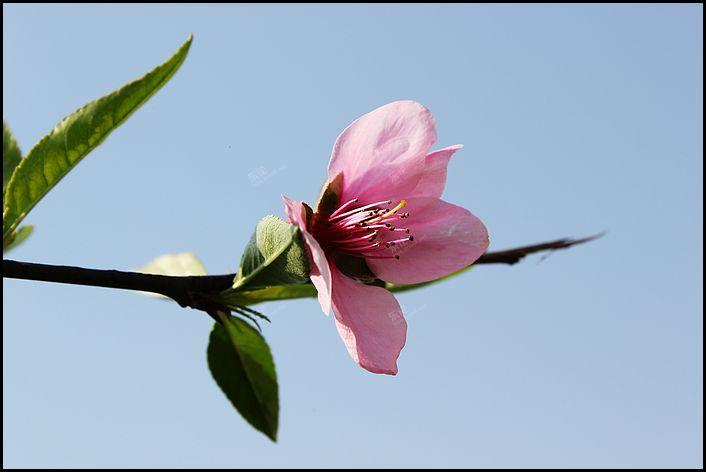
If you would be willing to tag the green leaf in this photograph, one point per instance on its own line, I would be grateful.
(11, 156)
(75, 136)
(17, 237)
(289, 292)
(275, 255)
(404, 288)
(241, 363)
(234, 298)
(178, 265)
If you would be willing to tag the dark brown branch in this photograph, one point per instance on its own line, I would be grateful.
(189, 291)
(180, 289)
(512, 256)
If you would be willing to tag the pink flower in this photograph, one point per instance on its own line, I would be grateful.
(381, 218)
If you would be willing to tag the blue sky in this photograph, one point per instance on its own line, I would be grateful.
(575, 120)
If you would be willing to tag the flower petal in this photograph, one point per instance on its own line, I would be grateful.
(434, 178)
(320, 272)
(382, 153)
(370, 322)
(447, 238)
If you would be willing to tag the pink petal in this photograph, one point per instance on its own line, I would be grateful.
(434, 178)
(320, 273)
(446, 238)
(370, 322)
(382, 153)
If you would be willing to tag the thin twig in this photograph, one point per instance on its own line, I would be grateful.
(513, 256)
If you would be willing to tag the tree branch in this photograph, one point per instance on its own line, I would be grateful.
(181, 289)
(512, 256)
(188, 291)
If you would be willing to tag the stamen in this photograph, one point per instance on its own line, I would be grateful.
(402, 204)
(354, 219)
(392, 243)
(356, 231)
(352, 240)
(334, 217)
(343, 207)
(360, 246)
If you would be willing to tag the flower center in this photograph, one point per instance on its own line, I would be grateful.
(369, 231)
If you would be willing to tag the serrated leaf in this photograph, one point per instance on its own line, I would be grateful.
(241, 364)
(75, 136)
(275, 255)
(17, 238)
(11, 156)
